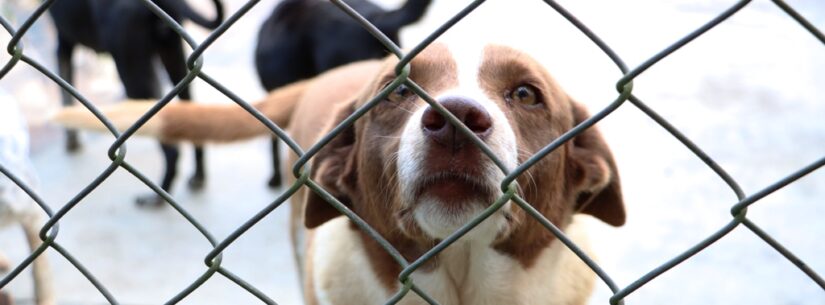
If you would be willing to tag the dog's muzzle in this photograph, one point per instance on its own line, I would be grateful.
(453, 168)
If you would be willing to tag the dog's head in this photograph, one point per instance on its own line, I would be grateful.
(411, 174)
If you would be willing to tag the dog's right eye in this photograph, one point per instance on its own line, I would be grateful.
(400, 94)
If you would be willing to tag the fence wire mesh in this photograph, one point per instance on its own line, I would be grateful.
(117, 153)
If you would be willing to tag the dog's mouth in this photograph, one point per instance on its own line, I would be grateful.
(447, 200)
(455, 189)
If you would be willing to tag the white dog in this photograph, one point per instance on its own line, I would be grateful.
(15, 205)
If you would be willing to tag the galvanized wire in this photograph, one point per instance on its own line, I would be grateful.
(212, 260)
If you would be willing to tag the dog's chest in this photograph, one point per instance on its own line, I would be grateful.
(465, 275)
(471, 274)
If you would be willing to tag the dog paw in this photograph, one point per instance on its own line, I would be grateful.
(275, 181)
(196, 182)
(150, 201)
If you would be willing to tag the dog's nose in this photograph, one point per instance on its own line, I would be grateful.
(468, 111)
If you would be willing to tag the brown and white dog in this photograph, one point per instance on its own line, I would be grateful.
(415, 179)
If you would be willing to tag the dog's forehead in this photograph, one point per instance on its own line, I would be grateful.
(468, 59)
(461, 63)
(456, 61)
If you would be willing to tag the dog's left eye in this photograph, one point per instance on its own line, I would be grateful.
(400, 94)
(524, 94)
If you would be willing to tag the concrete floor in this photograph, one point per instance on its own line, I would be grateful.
(749, 93)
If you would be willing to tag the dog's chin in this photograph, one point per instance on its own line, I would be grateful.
(438, 219)
(443, 204)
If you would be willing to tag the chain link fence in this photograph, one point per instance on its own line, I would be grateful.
(212, 260)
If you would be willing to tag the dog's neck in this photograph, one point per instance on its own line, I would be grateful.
(452, 270)
(462, 262)
(470, 271)
(466, 259)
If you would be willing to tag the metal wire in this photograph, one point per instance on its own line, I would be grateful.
(117, 153)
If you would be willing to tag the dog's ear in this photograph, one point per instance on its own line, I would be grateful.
(333, 169)
(593, 175)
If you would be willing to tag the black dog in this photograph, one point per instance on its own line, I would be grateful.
(134, 36)
(303, 38)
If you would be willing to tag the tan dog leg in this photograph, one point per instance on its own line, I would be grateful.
(4, 264)
(44, 293)
(5, 299)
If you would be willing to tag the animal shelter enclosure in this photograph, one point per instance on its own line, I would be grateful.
(738, 201)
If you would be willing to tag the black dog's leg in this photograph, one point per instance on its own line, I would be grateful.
(171, 54)
(171, 154)
(65, 48)
(283, 56)
(136, 71)
(198, 179)
(275, 181)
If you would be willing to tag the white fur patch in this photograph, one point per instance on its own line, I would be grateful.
(340, 268)
(474, 274)
(467, 273)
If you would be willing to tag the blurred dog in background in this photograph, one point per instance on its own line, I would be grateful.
(136, 38)
(15, 205)
(303, 38)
